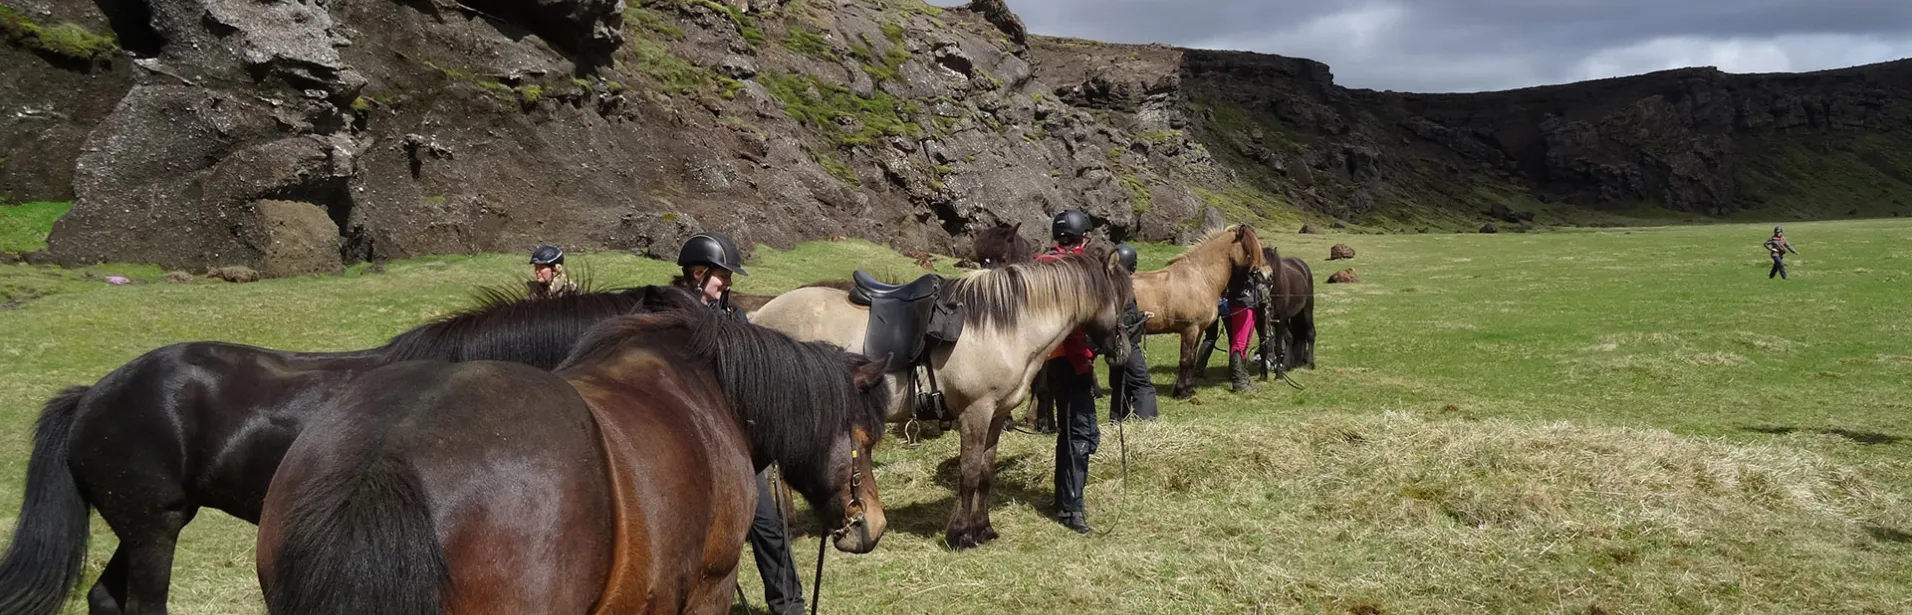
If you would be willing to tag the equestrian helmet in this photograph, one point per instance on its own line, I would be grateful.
(547, 254)
(1126, 253)
(711, 250)
(1070, 223)
(1777, 230)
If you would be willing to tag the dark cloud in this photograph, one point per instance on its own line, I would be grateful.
(1467, 45)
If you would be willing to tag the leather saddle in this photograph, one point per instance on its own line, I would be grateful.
(904, 318)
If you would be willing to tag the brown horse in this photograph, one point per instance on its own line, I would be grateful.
(1014, 317)
(203, 425)
(1290, 311)
(621, 483)
(1002, 245)
(1183, 294)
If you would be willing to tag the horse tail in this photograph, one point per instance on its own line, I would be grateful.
(49, 542)
(359, 541)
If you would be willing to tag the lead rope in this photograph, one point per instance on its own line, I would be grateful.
(816, 586)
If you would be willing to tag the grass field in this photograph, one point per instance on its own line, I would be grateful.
(1619, 421)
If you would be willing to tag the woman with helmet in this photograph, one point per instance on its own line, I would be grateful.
(1134, 392)
(1071, 377)
(707, 261)
(547, 270)
(1777, 247)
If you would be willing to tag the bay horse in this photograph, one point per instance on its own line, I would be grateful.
(203, 425)
(622, 482)
(1013, 318)
(1184, 293)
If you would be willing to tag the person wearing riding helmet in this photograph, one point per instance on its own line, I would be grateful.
(707, 261)
(547, 270)
(1134, 392)
(1071, 374)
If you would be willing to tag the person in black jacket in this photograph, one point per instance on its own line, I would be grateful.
(1134, 392)
(708, 260)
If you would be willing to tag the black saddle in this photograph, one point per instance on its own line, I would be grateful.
(869, 290)
(904, 318)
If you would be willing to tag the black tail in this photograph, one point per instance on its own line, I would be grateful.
(49, 543)
(359, 542)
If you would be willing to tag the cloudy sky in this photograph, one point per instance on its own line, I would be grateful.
(1473, 45)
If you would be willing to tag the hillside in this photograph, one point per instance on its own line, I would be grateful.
(303, 136)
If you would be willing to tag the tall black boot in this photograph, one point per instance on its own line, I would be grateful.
(1238, 373)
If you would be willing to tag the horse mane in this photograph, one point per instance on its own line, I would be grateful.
(1215, 242)
(1074, 283)
(794, 397)
(511, 326)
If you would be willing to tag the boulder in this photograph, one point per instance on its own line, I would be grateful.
(1340, 251)
(294, 239)
(1344, 276)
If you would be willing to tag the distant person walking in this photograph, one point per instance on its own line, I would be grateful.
(1778, 247)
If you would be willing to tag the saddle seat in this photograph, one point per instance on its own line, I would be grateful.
(904, 318)
(869, 290)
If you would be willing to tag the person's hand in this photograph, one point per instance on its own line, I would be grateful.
(1147, 314)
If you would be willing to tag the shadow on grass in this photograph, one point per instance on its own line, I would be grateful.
(1869, 438)
(1886, 534)
(931, 519)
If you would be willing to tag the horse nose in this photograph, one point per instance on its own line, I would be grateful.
(863, 537)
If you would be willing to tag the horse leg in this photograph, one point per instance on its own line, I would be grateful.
(149, 543)
(109, 592)
(1305, 339)
(970, 523)
(1206, 349)
(1184, 375)
(714, 599)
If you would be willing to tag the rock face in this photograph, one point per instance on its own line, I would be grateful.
(420, 128)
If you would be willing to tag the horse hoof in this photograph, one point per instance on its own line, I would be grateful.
(986, 534)
(962, 540)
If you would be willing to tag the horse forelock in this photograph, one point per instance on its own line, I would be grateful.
(794, 398)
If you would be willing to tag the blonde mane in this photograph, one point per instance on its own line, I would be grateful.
(1073, 284)
(1216, 245)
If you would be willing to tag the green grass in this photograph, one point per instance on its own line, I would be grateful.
(817, 105)
(1617, 421)
(24, 227)
(66, 39)
(809, 43)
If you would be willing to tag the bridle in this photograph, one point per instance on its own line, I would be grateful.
(855, 521)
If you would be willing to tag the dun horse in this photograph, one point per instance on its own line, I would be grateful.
(621, 483)
(204, 424)
(1014, 317)
(1183, 294)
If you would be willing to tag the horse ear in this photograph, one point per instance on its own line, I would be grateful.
(869, 373)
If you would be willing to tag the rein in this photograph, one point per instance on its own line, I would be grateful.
(823, 543)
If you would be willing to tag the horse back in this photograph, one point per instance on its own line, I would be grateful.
(681, 477)
(509, 464)
(206, 422)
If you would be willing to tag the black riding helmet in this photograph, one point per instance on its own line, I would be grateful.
(1070, 224)
(547, 254)
(1126, 253)
(711, 250)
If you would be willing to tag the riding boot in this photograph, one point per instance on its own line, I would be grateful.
(1238, 372)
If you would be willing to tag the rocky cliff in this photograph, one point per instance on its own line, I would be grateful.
(196, 133)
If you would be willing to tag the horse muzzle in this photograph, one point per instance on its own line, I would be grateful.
(859, 533)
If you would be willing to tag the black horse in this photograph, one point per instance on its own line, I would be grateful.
(1284, 323)
(205, 424)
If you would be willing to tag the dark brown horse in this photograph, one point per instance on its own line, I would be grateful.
(621, 483)
(1290, 310)
(203, 424)
(1002, 245)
